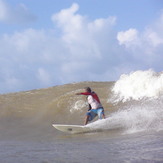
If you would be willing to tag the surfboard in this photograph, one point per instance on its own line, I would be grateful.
(72, 129)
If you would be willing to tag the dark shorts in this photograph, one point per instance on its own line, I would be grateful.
(94, 112)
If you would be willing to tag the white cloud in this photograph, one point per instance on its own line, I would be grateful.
(83, 50)
(67, 20)
(82, 36)
(70, 23)
(145, 46)
(155, 39)
(100, 24)
(18, 14)
(151, 36)
(128, 37)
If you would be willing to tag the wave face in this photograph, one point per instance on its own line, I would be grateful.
(30, 114)
(139, 99)
(132, 104)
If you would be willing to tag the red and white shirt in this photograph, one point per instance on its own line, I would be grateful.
(93, 100)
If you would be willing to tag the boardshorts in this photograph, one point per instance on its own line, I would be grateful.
(94, 112)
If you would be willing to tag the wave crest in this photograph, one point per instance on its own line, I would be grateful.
(138, 85)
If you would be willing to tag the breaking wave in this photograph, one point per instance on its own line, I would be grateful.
(132, 104)
(139, 98)
(138, 85)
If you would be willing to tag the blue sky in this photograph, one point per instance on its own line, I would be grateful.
(51, 42)
(129, 13)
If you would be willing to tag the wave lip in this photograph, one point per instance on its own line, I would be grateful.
(138, 85)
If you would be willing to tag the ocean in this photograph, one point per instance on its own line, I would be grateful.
(131, 133)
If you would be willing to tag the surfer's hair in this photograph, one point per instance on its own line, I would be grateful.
(88, 89)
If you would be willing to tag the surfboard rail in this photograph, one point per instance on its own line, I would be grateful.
(72, 129)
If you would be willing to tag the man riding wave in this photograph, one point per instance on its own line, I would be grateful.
(95, 106)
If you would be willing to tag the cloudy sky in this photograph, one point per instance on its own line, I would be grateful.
(54, 42)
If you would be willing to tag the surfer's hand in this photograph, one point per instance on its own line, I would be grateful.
(77, 93)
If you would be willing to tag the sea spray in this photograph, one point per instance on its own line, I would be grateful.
(79, 105)
(133, 118)
(139, 97)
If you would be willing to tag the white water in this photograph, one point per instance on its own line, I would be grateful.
(138, 85)
(139, 97)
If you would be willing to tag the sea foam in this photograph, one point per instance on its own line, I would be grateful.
(139, 98)
(138, 85)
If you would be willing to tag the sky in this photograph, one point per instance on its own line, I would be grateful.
(48, 43)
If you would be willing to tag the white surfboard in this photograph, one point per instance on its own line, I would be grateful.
(73, 129)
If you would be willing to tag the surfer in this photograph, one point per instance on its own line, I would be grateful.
(95, 106)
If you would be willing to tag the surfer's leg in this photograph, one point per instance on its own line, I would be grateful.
(100, 113)
(86, 119)
(103, 115)
(90, 116)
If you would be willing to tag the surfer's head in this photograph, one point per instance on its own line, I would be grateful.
(88, 89)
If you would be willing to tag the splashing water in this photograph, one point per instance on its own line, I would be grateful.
(139, 97)
(78, 106)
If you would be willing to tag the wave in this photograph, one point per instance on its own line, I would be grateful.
(139, 97)
(30, 114)
(132, 104)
